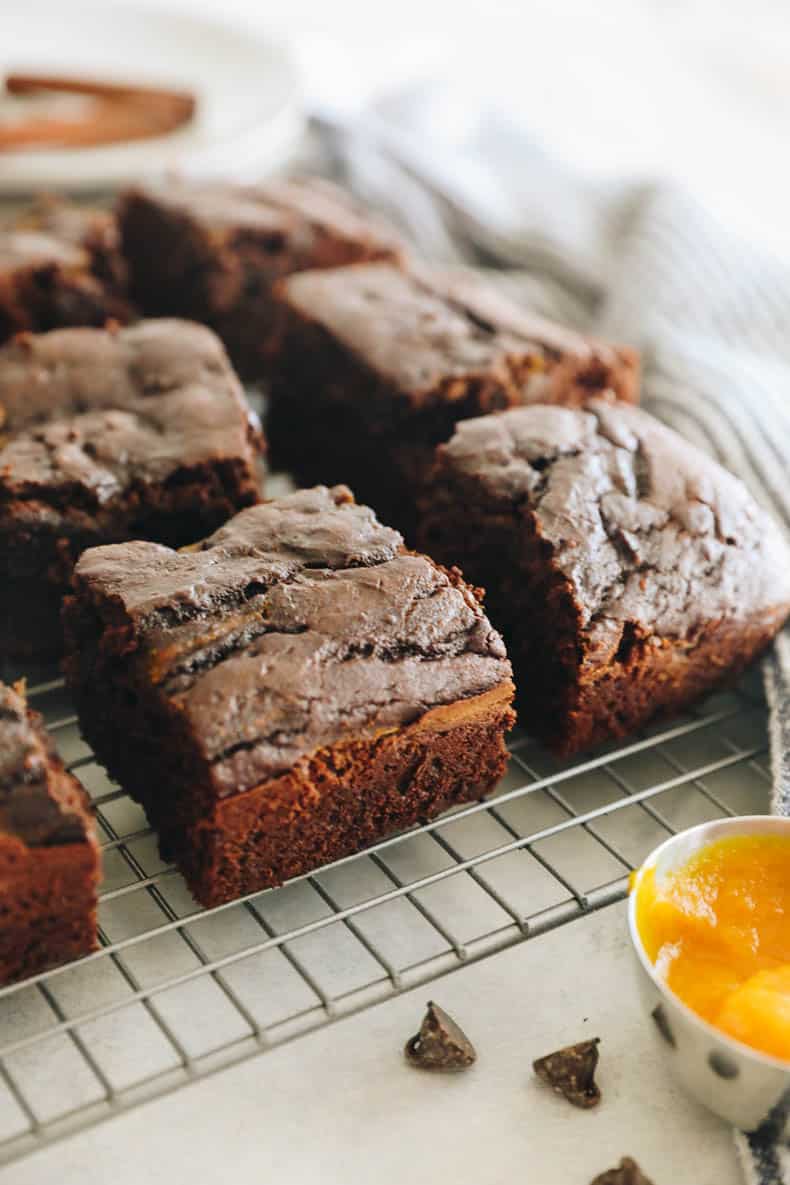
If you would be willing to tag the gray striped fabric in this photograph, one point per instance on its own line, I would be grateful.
(644, 264)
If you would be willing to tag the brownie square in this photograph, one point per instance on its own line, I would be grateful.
(377, 366)
(60, 265)
(141, 432)
(629, 573)
(212, 252)
(294, 688)
(49, 856)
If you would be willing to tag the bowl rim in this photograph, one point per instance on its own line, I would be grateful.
(740, 825)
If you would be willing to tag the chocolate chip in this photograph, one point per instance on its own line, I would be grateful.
(571, 1072)
(440, 1043)
(627, 1172)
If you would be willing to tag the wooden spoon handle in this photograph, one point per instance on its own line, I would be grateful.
(121, 112)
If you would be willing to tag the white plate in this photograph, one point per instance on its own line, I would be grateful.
(249, 110)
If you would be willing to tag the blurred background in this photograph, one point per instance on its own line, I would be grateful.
(696, 91)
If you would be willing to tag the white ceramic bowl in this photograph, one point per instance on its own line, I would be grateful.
(739, 1083)
(250, 102)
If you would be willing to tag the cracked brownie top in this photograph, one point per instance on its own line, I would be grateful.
(424, 329)
(645, 527)
(301, 622)
(91, 414)
(40, 803)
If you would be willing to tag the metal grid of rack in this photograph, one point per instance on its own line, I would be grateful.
(176, 992)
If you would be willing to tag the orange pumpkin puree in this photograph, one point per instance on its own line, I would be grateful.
(718, 931)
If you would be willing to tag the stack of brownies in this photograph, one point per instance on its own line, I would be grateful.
(281, 683)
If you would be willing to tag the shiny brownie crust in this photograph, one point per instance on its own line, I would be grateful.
(49, 857)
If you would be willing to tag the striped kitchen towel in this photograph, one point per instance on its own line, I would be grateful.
(642, 263)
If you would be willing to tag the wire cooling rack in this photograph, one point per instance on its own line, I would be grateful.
(176, 991)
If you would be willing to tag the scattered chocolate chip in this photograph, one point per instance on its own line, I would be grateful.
(571, 1072)
(627, 1172)
(440, 1043)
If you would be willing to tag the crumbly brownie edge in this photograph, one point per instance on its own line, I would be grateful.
(49, 904)
(661, 678)
(338, 800)
(498, 547)
(49, 884)
(131, 730)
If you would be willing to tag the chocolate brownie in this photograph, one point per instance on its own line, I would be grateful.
(212, 252)
(377, 366)
(114, 434)
(49, 857)
(292, 689)
(60, 264)
(628, 572)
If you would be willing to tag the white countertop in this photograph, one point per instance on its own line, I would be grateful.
(341, 1106)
